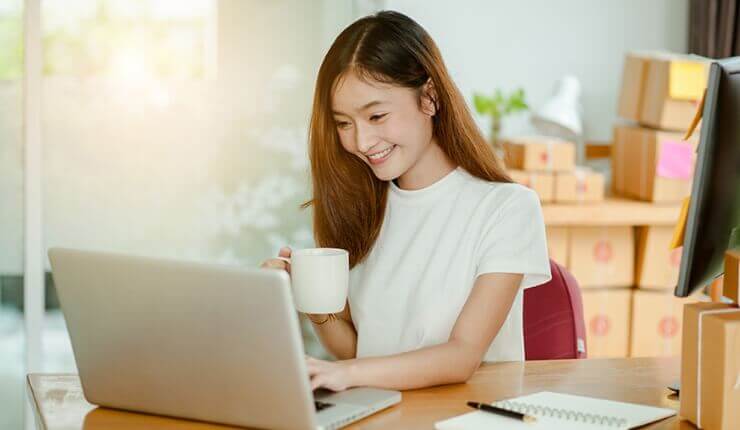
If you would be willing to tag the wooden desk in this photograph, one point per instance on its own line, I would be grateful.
(59, 404)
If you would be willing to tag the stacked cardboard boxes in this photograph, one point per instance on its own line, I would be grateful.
(710, 357)
(601, 259)
(651, 161)
(548, 166)
(656, 313)
(660, 94)
(661, 90)
(710, 363)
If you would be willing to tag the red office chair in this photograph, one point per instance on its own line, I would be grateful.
(553, 318)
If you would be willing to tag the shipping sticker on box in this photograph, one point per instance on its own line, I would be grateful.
(676, 160)
(687, 80)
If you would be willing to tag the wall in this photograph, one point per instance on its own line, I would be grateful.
(491, 44)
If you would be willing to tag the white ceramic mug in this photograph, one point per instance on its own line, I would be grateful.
(319, 278)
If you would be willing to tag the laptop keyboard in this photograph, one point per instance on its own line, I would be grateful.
(321, 405)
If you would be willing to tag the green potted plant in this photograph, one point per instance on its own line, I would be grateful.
(498, 106)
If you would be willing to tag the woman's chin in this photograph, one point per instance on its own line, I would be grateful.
(386, 174)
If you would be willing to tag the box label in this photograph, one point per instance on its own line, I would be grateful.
(603, 251)
(600, 325)
(687, 80)
(668, 327)
(675, 160)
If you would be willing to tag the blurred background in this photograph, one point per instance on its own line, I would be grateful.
(178, 128)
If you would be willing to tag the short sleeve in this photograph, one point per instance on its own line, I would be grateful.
(513, 240)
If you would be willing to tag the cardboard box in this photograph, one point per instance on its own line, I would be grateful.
(601, 256)
(543, 183)
(720, 390)
(652, 165)
(673, 88)
(661, 89)
(710, 365)
(657, 317)
(634, 75)
(731, 283)
(557, 244)
(656, 264)
(580, 186)
(606, 313)
(540, 154)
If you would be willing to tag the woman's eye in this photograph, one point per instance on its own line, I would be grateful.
(342, 124)
(377, 117)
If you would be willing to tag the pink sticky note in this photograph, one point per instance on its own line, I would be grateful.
(675, 160)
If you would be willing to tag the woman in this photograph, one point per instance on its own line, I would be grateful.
(441, 242)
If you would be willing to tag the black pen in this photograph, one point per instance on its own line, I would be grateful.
(504, 412)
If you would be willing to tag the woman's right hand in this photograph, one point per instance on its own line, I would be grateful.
(276, 263)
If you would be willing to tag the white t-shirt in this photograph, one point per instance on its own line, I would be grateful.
(433, 244)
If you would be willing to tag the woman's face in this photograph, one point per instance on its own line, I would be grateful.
(384, 125)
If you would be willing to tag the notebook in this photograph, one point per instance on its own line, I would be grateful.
(560, 411)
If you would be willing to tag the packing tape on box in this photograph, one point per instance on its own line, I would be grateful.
(643, 165)
(698, 355)
(619, 168)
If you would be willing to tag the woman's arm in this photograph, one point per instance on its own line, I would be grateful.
(452, 362)
(338, 336)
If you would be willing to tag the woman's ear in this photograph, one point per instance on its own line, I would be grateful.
(429, 103)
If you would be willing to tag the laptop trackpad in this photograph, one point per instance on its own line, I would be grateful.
(362, 396)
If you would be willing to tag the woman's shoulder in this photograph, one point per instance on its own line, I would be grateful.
(498, 193)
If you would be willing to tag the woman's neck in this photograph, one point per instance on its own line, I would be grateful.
(432, 166)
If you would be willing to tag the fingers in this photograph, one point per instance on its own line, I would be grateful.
(314, 367)
(316, 383)
(274, 263)
(285, 252)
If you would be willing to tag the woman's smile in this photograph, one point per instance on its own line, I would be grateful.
(380, 157)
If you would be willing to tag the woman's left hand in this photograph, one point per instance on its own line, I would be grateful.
(334, 375)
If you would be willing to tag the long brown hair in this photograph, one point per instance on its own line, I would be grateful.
(348, 199)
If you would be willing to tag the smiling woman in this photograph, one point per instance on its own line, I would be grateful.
(372, 131)
(441, 243)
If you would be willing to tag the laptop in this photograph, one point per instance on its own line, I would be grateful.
(199, 341)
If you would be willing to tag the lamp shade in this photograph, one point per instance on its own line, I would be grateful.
(561, 114)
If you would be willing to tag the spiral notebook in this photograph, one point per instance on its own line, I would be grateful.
(560, 411)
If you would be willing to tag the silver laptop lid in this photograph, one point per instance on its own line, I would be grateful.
(192, 340)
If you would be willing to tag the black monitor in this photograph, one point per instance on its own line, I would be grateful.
(713, 221)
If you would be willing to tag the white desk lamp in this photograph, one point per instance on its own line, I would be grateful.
(560, 116)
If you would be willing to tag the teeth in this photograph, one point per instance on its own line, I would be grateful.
(380, 154)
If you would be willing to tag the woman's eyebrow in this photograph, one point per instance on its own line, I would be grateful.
(364, 107)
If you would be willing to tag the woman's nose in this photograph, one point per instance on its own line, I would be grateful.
(365, 139)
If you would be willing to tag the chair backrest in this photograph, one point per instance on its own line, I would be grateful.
(553, 318)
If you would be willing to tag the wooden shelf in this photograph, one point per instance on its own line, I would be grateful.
(614, 211)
